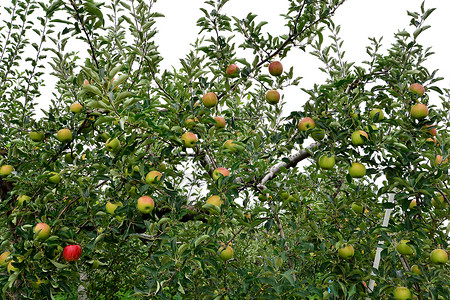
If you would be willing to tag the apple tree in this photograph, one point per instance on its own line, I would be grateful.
(197, 182)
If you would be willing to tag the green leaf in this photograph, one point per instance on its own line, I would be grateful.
(201, 239)
(58, 265)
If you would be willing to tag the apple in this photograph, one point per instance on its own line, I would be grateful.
(189, 139)
(72, 252)
(153, 177)
(10, 267)
(357, 140)
(214, 200)
(275, 68)
(317, 134)
(412, 204)
(357, 170)
(111, 207)
(42, 230)
(306, 123)
(76, 108)
(217, 172)
(402, 293)
(21, 199)
(404, 249)
(432, 131)
(112, 144)
(220, 122)
(417, 88)
(64, 135)
(416, 269)
(189, 123)
(232, 71)
(357, 207)
(327, 161)
(373, 115)
(36, 136)
(3, 258)
(6, 170)
(145, 204)
(209, 100)
(440, 160)
(272, 97)
(225, 253)
(230, 146)
(346, 251)
(419, 111)
(439, 256)
(284, 195)
(440, 203)
(69, 157)
(162, 167)
(54, 177)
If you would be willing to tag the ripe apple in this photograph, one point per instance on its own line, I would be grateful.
(327, 161)
(417, 88)
(232, 71)
(72, 252)
(209, 100)
(432, 131)
(412, 204)
(189, 139)
(54, 177)
(357, 140)
(3, 258)
(225, 253)
(153, 177)
(42, 230)
(275, 68)
(230, 146)
(111, 207)
(6, 170)
(36, 136)
(189, 123)
(64, 135)
(317, 134)
(21, 199)
(145, 204)
(419, 111)
(357, 170)
(404, 249)
(373, 114)
(416, 269)
(357, 207)
(10, 267)
(439, 256)
(112, 144)
(346, 251)
(272, 97)
(218, 171)
(306, 123)
(220, 122)
(214, 200)
(402, 293)
(76, 108)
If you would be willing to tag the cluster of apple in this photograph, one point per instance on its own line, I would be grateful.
(275, 69)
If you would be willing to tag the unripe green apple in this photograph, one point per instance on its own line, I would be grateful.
(145, 204)
(36, 136)
(419, 111)
(230, 146)
(417, 88)
(112, 144)
(6, 170)
(357, 140)
(209, 100)
(225, 253)
(69, 157)
(275, 68)
(214, 200)
(416, 269)
(220, 122)
(54, 177)
(3, 258)
(402, 293)
(284, 195)
(111, 207)
(327, 162)
(23, 198)
(218, 171)
(373, 115)
(153, 177)
(232, 71)
(189, 139)
(317, 134)
(357, 208)
(439, 256)
(404, 249)
(76, 108)
(272, 97)
(306, 123)
(42, 230)
(64, 135)
(357, 170)
(346, 251)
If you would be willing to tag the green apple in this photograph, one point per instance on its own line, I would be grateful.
(23, 198)
(416, 269)
(232, 71)
(64, 135)
(419, 111)
(69, 157)
(275, 68)
(402, 293)
(346, 251)
(220, 122)
(440, 202)
(54, 177)
(373, 115)
(439, 256)
(230, 146)
(42, 231)
(214, 200)
(189, 123)
(357, 140)
(225, 253)
(189, 139)
(327, 161)
(357, 170)
(306, 123)
(417, 88)
(145, 204)
(272, 97)
(6, 170)
(209, 100)
(404, 249)
(317, 134)
(76, 108)
(357, 207)
(153, 177)
(3, 258)
(112, 144)
(36, 136)
(162, 167)
(111, 207)
(217, 172)
(284, 195)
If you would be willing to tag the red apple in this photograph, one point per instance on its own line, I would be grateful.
(210, 100)
(275, 68)
(232, 71)
(272, 97)
(145, 204)
(72, 252)
(218, 171)
(220, 122)
(417, 88)
(306, 123)
(431, 131)
(419, 111)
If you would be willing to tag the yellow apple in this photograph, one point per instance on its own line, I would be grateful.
(145, 204)
(36, 136)
(346, 251)
(111, 207)
(64, 135)
(42, 230)
(209, 100)
(6, 170)
(402, 293)
(419, 111)
(189, 139)
(272, 97)
(357, 170)
(214, 200)
(153, 177)
(306, 123)
(220, 171)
